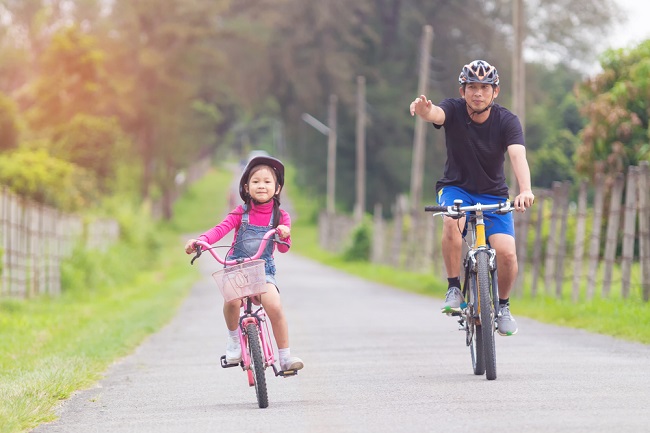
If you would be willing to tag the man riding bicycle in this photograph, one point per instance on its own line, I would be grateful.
(478, 133)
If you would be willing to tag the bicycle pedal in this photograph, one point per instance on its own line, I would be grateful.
(225, 364)
(287, 373)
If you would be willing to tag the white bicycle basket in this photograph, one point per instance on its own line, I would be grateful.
(242, 280)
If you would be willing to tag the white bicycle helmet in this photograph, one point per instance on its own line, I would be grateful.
(479, 71)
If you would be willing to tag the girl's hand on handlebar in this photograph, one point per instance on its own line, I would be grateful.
(190, 248)
(283, 231)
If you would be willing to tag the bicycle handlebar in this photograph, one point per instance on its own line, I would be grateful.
(201, 246)
(456, 210)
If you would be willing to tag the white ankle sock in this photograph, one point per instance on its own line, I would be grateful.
(233, 334)
(284, 353)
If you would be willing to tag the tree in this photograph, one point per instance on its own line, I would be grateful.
(615, 102)
(9, 130)
(94, 143)
(73, 80)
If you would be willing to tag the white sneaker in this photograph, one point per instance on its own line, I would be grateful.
(233, 350)
(506, 324)
(292, 363)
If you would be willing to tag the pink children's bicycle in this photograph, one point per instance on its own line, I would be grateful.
(245, 279)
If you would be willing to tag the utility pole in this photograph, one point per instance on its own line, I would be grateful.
(331, 154)
(518, 73)
(519, 108)
(417, 165)
(360, 208)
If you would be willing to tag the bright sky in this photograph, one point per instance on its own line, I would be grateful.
(637, 25)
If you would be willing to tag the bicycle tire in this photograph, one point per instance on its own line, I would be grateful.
(474, 337)
(487, 313)
(257, 365)
(476, 343)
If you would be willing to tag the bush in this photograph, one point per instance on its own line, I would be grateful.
(36, 175)
(361, 238)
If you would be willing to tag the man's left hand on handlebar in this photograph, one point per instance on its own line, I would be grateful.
(524, 200)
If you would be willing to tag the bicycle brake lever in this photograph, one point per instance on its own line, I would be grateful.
(198, 254)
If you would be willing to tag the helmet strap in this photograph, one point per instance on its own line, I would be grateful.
(473, 113)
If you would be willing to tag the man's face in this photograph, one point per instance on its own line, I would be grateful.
(479, 95)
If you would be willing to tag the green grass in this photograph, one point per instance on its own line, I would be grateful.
(50, 347)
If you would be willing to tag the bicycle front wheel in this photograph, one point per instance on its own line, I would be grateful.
(487, 314)
(257, 364)
(473, 326)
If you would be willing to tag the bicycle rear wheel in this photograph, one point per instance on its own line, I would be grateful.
(487, 313)
(257, 365)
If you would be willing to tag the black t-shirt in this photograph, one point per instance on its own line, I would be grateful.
(476, 152)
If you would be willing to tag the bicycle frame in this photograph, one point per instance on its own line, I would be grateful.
(478, 245)
(480, 287)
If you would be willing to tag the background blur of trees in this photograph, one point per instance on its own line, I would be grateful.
(131, 92)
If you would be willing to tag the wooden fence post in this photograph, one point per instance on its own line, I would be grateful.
(429, 239)
(537, 251)
(579, 244)
(563, 213)
(398, 220)
(4, 230)
(594, 244)
(379, 236)
(613, 222)
(521, 238)
(436, 255)
(552, 240)
(629, 230)
(644, 229)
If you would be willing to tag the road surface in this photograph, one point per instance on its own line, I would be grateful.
(376, 360)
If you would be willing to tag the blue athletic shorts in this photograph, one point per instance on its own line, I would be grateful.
(493, 223)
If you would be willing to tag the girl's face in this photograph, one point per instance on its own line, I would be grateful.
(262, 185)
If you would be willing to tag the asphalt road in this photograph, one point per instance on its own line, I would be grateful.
(376, 360)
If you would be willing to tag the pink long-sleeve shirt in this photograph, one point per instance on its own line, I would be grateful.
(258, 215)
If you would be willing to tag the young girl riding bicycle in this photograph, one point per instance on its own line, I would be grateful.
(259, 187)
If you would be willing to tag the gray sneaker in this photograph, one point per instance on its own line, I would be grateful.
(453, 300)
(506, 324)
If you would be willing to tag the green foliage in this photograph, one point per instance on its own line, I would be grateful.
(360, 244)
(75, 82)
(9, 131)
(94, 143)
(616, 105)
(36, 175)
(553, 161)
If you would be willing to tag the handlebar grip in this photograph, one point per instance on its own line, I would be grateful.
(276, 239)
(436, 208)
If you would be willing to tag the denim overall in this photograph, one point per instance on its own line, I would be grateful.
(248, 239)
